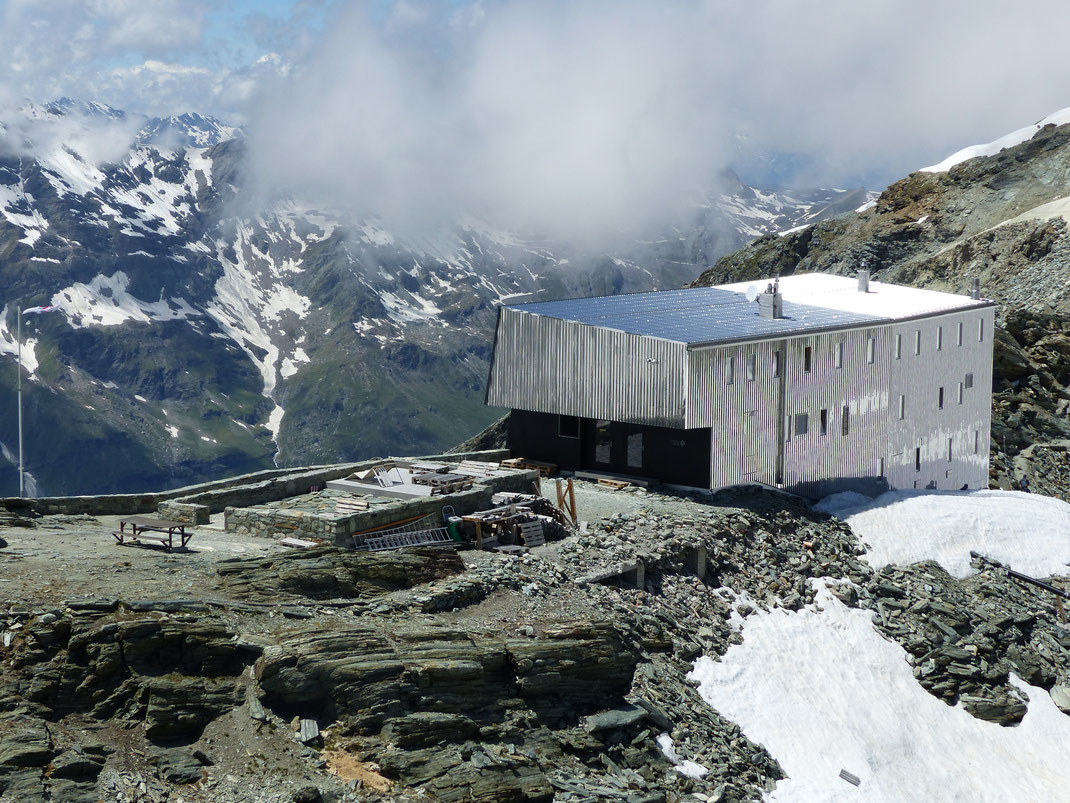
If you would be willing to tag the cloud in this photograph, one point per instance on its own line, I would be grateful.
(603, 115)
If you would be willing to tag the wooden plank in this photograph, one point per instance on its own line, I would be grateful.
(616, 485)
(572, 502)
(297, 543)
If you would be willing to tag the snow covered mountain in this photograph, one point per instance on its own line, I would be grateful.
(198, 335)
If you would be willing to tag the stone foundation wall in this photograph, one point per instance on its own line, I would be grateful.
(259, 487)
(283, 523)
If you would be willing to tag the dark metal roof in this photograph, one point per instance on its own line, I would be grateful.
(702, 315)
(696, 315)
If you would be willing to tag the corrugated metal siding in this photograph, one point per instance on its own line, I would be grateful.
(712, 402)
(812, 459)
(569, 368)
(926, 426)
(809, 458)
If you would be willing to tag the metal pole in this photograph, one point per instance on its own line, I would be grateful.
(19, 369)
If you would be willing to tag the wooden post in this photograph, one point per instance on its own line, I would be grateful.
(572, 503)
(560, 495)
(479, 534)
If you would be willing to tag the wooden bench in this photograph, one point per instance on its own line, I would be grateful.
(143, 527)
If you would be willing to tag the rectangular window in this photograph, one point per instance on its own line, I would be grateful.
(806, 359)
(981, 330)
(846, 419)
(960, 333)
(917, 341)
(976, 441)
(568, 426)
(969, 381)
(730, 371)
(898, 346)
(870, 350)
(917, 459)
(603, 443)
(882, 467)
(960, 393)
(776, 363)
(752, 366)
(839, 355)
(802, 423)
(939, 338)
(949, 450)
(787, 428)
(902, 407)
(824, 423)
(940, 399)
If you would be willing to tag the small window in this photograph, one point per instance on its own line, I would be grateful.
(568, 426)
(871, 347)
(882, 467)
(802, 423)
(969, 381)
(752, 366)
(776, 363)
(730, 371)
(981, 331)
(976, 441)
(787, 428)
(902, 407)
(824, 423)
(940, 399)
(898, 346)
(846, 419)
(960, 333)
(806, 359)
(949, 450)
(839, 355)
(960, 393)
(939, 338)
(917, 341)
(917, 459)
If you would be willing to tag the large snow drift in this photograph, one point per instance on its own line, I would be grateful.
(1028, 532)
(822, 691)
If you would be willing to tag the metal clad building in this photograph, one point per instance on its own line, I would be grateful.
(845, 388)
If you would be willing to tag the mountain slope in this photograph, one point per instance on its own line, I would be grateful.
(200, 333)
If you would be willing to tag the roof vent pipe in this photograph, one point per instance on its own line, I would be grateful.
(863, 281)
(975, 291)
(771, 302)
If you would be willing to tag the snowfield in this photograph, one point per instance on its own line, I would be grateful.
(823, 691)
(1027, 532)
(1060, 117)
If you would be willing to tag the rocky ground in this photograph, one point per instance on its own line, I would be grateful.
(238, 671)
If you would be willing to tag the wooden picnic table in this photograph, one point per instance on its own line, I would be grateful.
(164, 530)
(495, 520)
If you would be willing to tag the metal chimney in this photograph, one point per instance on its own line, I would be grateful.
(863, 281)
(771, 302)
(975, 291)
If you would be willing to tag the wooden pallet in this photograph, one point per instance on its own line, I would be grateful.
(616, 485)
(544, 469)
(532, 534)
(350, 504)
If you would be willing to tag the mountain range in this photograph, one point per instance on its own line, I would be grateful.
(199, 335)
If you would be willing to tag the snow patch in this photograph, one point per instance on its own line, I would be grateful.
(106, 302)
(1060, 117)
(1028, 532)
(689, 768)
(173, 430)
(823, 691)
(866, 207)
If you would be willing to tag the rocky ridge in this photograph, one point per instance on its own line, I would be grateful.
(332, 675)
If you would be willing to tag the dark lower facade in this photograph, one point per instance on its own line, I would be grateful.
(675, 456)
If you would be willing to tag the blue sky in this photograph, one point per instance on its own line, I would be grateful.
(556, 104)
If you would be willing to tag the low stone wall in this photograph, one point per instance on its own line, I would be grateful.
(258, 487)
(284, 523)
